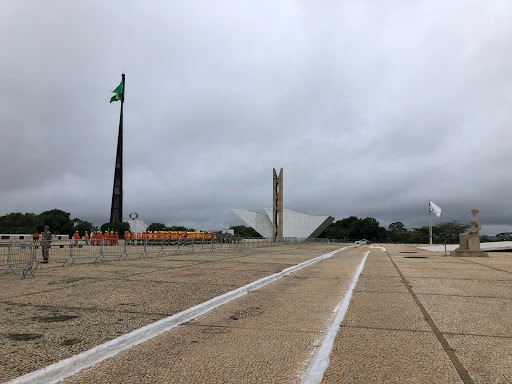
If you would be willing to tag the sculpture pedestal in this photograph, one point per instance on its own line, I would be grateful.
(468, 253)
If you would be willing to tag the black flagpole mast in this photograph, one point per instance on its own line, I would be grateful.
(116, 210)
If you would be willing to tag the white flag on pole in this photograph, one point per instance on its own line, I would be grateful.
(434, 208)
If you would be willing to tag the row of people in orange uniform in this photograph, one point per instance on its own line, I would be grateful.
(166, 235)
(112, 238)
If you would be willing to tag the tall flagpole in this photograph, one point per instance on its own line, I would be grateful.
(429, 223)
(116, 209)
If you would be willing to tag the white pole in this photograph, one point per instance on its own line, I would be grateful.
(429, 223)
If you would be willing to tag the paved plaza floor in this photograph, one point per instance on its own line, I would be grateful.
(415, 316)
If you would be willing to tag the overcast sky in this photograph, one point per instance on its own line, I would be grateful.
(371, 108)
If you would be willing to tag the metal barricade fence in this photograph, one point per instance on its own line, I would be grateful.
(153, 248)
(59, 252)
(111, 249)
(134, 247)
(84, 250)
(22, 256)
(172, 247)
(17, 256)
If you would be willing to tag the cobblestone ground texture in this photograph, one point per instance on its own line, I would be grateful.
(269, 335)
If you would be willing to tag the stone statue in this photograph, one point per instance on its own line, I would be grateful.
(470, 241)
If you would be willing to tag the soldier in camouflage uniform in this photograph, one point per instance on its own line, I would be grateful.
(46, 239)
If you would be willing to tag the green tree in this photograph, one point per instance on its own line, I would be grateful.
(449, 231)
(395, 231)
(368, 228)
(18, 223)
(343, 229)
(354, 228)
(243, 231)
(81, 226)
(58, 221)
(181, 228)
(157, 227)
(417, 235)
(383, 235)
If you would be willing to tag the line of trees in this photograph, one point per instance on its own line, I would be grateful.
(243, 231)
(355, 228)
(352, 228)
(60, 222)
(175, 228)
(448, 231)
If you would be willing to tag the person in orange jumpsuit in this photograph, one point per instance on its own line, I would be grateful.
(93, 238)
(111, 238)
(75, 237)
(116, 236)
(86, 237)
(139, 238)
(99, 236)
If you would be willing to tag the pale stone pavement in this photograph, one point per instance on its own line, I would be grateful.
(411, 320)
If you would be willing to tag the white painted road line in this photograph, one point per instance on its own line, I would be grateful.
(383, 249)
(71, 366)
(316, 369)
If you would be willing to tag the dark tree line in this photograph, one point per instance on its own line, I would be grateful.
(449, 231)
(243, 231)
(59, 222)
(354, 228)
(174, 228)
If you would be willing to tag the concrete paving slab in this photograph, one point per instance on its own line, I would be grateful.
(494, 261)
(470, 315)
(373, 271)
(362, 356)
(488, 359)
(434, 264)
(207, 355)
(58, 333)
(332, 271)
(265, 336)
(146, 297)
(482, 273)
(462, 287)
(381, 284)
(270, 268)
(385, 310)
(312, 285)
(204, 276)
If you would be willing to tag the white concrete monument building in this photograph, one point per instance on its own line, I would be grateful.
(295, 224)
(137, 225)
(282, 222)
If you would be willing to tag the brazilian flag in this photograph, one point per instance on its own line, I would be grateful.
(118, 93)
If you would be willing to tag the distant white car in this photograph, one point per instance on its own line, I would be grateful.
(364, 241)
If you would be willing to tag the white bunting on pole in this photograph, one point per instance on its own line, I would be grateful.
(434, 208)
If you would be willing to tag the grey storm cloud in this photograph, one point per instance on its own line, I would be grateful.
(371, 108)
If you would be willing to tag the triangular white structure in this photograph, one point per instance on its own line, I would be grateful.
(295, 224)
(260, 222)
(137, 225)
